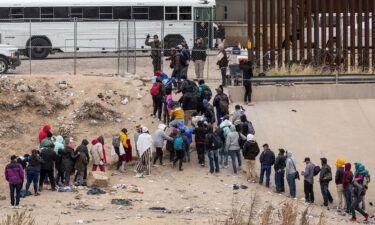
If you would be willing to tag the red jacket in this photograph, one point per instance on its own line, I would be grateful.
(348, 166)
(43, 133)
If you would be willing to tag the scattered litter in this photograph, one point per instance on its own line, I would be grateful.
(95, 191)
(24, 194)
(134, 189)
(243, 187)
(157, 208)
(121, 201)
(125, 101)
(79, 222)
(235, 187)
(96, 111)
(64, 189)
(293, 110)
(78, 197)
(119, 186)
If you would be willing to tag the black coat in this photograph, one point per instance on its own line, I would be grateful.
(83, 149)
(280, 162)
(199, 52)
(247, 71)
(49, 157)
(200, 134)
(250, 150)
(189, 101)
(267, 158)
(67, 162)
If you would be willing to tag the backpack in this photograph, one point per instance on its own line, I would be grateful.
(251, 129)
(166, 89)
(178, 143)
(223, 105)
(216, 141)
(316, 170)
(240, 141)
(183, 59)
(116, 140)
(206, 93)
(155, 90)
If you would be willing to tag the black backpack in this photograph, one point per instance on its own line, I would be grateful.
(216, 141)
(206, 93)
(316, 170)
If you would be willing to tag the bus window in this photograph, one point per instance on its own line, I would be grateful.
(46, 13)
(106, 13)
(91, 13)
(171, 13)
(122, 13)
(140, 13)
(185, 13)
(16, 13)
(32, 13)
(61, 12)
(156, 13)
(76, 13)
(4, 13)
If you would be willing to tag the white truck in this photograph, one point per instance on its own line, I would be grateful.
(9, 58)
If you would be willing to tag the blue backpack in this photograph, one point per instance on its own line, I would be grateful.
(178, 143)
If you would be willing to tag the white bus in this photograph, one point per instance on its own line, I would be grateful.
(52, 24)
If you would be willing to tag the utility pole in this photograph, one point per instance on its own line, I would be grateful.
(250, 42)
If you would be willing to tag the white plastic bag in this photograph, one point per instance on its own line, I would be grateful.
(122, 150)
(113, 152)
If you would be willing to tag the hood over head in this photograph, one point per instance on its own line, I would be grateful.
(348, 166)
(357, 165)
(101, 139)
(85, 142)
(94, 142)
(46, 128)
(289, 154)
(161, 127)
(340, 163)
(232, 128)
(59, 139)
(361, 168)
(249, 137)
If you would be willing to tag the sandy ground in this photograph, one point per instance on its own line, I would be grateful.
(193, 196)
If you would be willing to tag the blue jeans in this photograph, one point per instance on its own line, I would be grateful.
(279, 180)
(18, 188)
(291, 178)
(348, 199)
(223, 157)
(219, 115)
(325, 192)
(267, 170)
(32, 176)
(213, 157)
(233, 155)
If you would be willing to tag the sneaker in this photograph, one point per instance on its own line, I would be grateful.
(226, 167)
(11, 206)
(17, 207)
(36, 194)
(139, 175)
(366, 219)
(181, 170)
(353, 219)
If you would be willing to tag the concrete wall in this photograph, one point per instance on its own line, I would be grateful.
(305, 92)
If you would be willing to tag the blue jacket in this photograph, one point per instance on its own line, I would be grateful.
(339, 175)
(267, 158)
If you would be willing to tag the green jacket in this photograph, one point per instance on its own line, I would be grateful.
(81, 162)
(46, 143)
(154, 46)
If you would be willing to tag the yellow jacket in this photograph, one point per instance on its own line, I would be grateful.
(123, 139)
(177, 113)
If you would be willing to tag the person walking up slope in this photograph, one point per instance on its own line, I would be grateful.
(346, 186)
(358, 192)
(267, 159)
(179, 145)
(250, 152)
(324, 179)
(159, 138)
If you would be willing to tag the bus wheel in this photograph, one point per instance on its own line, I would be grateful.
(3, 65)
(40, 48)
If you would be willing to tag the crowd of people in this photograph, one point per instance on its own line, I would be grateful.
(217, 133)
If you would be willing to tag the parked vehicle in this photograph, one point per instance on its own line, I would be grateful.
(9, 58)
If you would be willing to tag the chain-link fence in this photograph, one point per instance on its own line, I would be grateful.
(111, 47)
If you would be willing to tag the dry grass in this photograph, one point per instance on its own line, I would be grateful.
(289, 214)
(19, 218)
(305, 217)
(266, 218)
